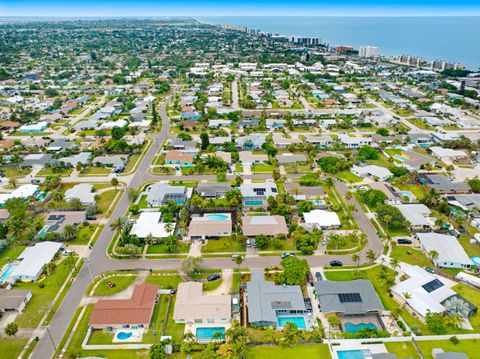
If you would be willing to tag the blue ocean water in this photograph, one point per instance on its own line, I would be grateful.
(435, 38)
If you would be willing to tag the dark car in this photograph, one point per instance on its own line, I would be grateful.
(213, 277)
(404, 241)
(318, 275)
(286, 255)
(336, 263)
(309, 278)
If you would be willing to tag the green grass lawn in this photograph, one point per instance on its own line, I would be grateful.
(11, 348)
(349, 176)
(42, 297)
(469, 347)
(396, 232)
(300, 168)
(162, 249)
(287, 244)
(417, 257)
(402, 349)
(225, 244)
(314, 351)
(142, 203)
(95, 171)
(382, 161)
(418, 191)
(120, 283)
(471, 249)
(12, 252)
(393, 151)
(105, 200)
(263, 168)
(63, 172)
(165, 281)
(209, 286)
(14, 172)
(84, 234)
(132, 161)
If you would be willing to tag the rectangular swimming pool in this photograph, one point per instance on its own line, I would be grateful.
(351, 354)
(298, 321)
(353, 328)
(207, 333)
(253, 203)
(5, 276)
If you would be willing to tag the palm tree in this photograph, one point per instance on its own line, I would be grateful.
(119, 224)
(433, 255)
(387, 219)
(356, 259)
(12, 182)
(395, 263)
(371, 256)
(329, 182)
(69, 232)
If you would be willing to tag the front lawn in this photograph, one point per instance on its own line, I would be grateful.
(402, 349)
(469, 347)
(132, 162)
(120, 283)
(210, 286)
(106, 200)
(349, 176)
(95, 171)
(11, 348)
(14, 172)
(297, 168)
(224, 244)
(313, 351)
(417, 257)
(49, 171)
(84, 234)
(162, 249)
(263, 168)
(165, 280)
(42, 297)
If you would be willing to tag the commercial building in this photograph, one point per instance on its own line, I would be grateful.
(368, 51)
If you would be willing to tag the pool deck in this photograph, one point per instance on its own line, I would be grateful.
(355, 345)
(135, 338)
(308, 319)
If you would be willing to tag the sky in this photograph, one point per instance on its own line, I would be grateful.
(115, 8)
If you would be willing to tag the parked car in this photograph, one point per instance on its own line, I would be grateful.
(249, 243)
(404, 241)
(286, 255)
(318, 275)
(336, 263)
(429, 270)
(309, 279)
(254, 243)
(213, 277)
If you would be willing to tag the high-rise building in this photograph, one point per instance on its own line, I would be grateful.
(368, 51)
(305, 41)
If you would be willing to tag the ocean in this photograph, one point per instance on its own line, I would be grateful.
(434, 38)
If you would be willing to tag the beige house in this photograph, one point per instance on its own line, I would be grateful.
(194, 307)
(268, 225)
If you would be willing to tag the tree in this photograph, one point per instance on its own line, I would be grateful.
(294, 271)
(435, 322)
(371, 256)
(334, 320)
(191, 265)
(117, 133)
(433, 254)
(382, 131)
(262, 241)
(390, 216)
(11, 329)
(332, 164)
(356, 259)
(373, 197)
(205, 140)
(12, 182)
(367, 153)
(474, 184)
(114, 182)
(69, 232)
(157, 351)
(395, 263)
(17, 221)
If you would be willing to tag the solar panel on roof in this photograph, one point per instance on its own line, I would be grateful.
(433, 285)
(350, 297)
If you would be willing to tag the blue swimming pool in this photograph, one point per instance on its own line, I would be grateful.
(298, 321)
(318, 202)
(476, 260)
(253, 203)
(207, 333)
(43, 231)
(400, 158)
(353, 328)
(351, 354)
(124, 335)
(217, 217)
(5, 276)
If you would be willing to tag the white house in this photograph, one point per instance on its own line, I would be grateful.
(381, 173)
(149, 223)
(81, 191)
(321, 219)
(450, 253)
(416, 215)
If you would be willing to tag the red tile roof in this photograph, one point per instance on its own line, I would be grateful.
(136, 310)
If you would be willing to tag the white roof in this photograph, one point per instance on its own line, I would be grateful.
(150, 223)
(34, 258)
(447, 152)
(112, 124)
(373, 170)
(447, 247)
(420, 299)
(416, 214)
(82, 191)
(321, 218)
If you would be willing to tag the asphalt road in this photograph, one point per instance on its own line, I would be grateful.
(99, 262)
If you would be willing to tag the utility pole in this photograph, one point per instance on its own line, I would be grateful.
(51, 339)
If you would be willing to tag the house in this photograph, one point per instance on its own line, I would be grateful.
(179, 158)
(34, 127)
(150, 224)
(467, 202)
(192, 306)
(354, 297)
(273, 123)
(438, 353)
(247, 158)
(251, 142)
(393, 196)
(219, 123)
(213, 190)
(124, 313)
(449, 154)
(191, 115)
(420, 139)
(417, 215)
(290, 158)
(443, 184)
(449, 252)
(320, 141)
(183, 145)
(60, 145)
(36, 160)
(280, 141)
(117, 162)
(264, 225)
(303, 193)
(56, 221)
(267, 302)
(33, 259)
(25, 191)
(257, 194)
(429, 293)
(210, 225)
(321, 219)
(413, 161)
(81, 191)
(72, 161)
(14, 300)
(158, 194)
(353, 142)
(374, 171)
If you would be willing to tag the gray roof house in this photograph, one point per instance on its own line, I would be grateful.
(115, 161)
(82, 157)
(440, 354)
(266, 299)
(213, 190)
(82, 191)
(36, 160)
(350, 297)
(14, 300)
(442, 184)
(287, 158)
(159, 193)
